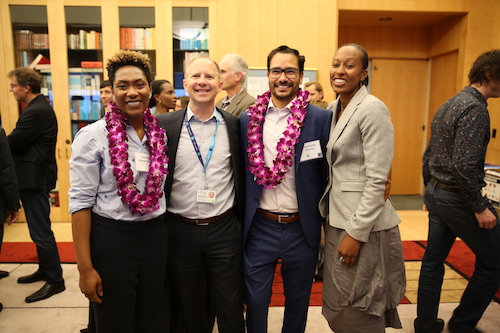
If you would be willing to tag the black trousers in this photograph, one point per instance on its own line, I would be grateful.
(131, 258)
(214, 250)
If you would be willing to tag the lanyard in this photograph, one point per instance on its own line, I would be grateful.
(195, 144)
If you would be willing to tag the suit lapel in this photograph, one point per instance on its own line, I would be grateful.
(347, 114)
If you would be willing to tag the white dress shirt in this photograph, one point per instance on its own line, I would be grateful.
(189, 176)
(282, 198)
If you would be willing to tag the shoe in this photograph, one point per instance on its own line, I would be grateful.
(84, 330)
(3, 274)
(1, 307)
(438, 327)
(45, 292)
(37, 276)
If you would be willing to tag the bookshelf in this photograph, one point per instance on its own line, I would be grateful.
(85, 61)
(190, 39)
(138, 32)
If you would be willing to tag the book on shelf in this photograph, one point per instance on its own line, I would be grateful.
(85, 40)
(137, 38)
(26, 39)
(91, 64)
(40, 62)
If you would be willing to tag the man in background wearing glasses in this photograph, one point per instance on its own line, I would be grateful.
(282, 220)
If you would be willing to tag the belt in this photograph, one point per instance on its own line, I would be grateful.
(449, 188)
(281, 218)
(206, 221)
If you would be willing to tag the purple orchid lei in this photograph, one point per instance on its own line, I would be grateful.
(285, 147)
(118, 150)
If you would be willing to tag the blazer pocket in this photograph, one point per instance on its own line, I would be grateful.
(352, 186)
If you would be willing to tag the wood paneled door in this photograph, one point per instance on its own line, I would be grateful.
(402, 85)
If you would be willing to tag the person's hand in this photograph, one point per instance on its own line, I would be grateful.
(486, 219)
(12, 216)
(348, 250)
(91, 285)
(424, 207)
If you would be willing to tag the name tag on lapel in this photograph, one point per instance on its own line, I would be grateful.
(311, 151)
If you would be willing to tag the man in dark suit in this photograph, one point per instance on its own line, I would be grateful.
(33, 143)
(9, 191)
(282, 219)
(234, 70)
(204, 193)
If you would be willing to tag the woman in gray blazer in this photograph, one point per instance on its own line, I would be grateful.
(364, 277)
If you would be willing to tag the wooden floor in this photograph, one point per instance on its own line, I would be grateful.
(67, 312)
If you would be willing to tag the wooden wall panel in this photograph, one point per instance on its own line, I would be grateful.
(443, 82)
(388, 42)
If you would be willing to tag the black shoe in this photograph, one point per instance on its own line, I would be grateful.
(37, 276)
(1, 307)
(84, 330)
(438, 327)
(46, 291)
(3, 274)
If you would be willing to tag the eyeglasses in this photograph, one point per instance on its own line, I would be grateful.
(12, 85)
(291, 73)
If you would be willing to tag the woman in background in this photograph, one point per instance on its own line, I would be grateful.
(117, 172)
(364, 276)
(163, 97)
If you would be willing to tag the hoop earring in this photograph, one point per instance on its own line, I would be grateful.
(114, 97)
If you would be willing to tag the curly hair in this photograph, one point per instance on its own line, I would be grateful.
(128, 58)
(485, 68)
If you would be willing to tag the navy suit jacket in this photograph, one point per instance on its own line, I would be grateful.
(172, 122)
(310, 176)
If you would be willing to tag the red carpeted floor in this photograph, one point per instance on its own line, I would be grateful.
(460, 259)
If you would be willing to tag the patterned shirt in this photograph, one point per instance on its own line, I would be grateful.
(226, 101)
(457, 148)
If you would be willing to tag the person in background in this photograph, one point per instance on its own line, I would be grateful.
(9, 191)
(284, 142)
(318, 102)
(234, 71)
(163, 97)
(453, 170)
(105, 93)
(205, 192)
(181, 103)
(33, 144)
(117, 174)
(315, 90)
(364, 275)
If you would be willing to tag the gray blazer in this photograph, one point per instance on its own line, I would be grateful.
(360, 152)
(240, 104)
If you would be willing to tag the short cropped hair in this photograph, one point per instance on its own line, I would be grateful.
(128, 58)
(27, 77)
(239, 65)
(487, 64)
(318, 86)
(285, 49)
(105, 84)
(217, 68)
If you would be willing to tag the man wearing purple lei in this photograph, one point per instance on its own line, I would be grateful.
(284, 138)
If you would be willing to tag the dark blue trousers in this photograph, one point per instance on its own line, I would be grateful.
(451, 217)
(267, 242)
(37, 209)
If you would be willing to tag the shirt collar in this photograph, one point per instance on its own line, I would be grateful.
(272, 108)
(476, 94)
(190, 115)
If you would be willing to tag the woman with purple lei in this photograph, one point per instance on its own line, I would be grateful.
(117, 173)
